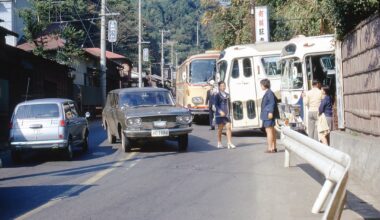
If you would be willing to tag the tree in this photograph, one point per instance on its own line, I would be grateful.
(54, 18)
(229, 26)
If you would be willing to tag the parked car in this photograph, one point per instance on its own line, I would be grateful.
(134, 114)
(47, 124)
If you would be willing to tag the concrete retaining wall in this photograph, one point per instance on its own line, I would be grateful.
(365, 156)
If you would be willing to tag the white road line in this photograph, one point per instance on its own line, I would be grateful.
(78, 188)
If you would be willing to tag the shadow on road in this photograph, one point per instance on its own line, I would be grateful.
(18, 200)
(364, 210)
(68, 172)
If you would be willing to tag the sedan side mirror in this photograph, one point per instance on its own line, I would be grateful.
(87, 114)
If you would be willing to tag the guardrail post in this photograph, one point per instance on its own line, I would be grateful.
(322, 197)
(287, 158)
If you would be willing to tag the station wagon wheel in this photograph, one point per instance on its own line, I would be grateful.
(183, 142)
(69, 151)
(110, 138)
(16, 156)
(125, 143)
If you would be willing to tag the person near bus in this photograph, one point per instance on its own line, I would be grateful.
(313, 99)
(222, 115)
(210, 102)
(269, 113)
(326, 108)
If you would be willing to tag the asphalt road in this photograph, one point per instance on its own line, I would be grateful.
(156, 182)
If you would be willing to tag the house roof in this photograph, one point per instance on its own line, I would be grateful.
(50, 42)
(109, 55)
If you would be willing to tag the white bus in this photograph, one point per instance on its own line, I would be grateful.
(303, 60)
(241, 68)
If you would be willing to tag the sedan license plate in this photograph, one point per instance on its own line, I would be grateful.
(160, 133)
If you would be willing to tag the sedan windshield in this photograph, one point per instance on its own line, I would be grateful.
(151, 98)
(202, 70)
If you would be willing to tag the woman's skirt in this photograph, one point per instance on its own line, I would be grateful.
(222, 120)
(268, 123)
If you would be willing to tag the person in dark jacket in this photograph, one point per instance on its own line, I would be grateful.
(222, 115)
(269, 112)
(210, 102)
(326, 108)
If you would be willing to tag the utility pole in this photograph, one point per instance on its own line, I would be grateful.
(252, 5)
(139, 43)
(103, 66)
(197, 34)
(162, 55)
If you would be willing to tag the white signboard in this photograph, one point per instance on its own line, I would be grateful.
(112, 31)
(145, 54)
(262, 24)
(225, 3)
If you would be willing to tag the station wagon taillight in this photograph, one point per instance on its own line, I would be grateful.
(62, 123)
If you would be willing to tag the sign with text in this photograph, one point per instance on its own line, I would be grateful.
(112, 31)
(145, 54)
(225, 3)
(262, 24)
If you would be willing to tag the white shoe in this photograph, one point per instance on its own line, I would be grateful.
(231, 146)
(220, 145)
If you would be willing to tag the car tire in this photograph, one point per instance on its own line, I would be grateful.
(111, 138)
(85, 143)
(183, 142)
(16, 156)
(68, 152)
(125, 143)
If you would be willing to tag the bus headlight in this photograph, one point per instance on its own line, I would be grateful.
(184, 119)
(197, 100)
(133, 121)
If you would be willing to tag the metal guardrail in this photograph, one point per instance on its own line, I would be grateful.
(332, 163)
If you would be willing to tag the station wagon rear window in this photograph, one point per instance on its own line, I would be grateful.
(37, 111)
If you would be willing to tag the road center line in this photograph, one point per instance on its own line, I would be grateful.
(81, 186)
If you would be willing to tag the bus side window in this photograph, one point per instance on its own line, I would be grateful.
(235, 69)
(247, 67)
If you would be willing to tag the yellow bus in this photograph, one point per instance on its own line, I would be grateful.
(192, 82)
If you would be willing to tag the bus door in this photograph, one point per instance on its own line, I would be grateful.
(242, 88)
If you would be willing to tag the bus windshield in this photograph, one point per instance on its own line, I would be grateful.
(202, 70)
(291, 74)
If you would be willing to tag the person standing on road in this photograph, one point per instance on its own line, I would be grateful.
(326, 109)
(210, 102)
(269, 112)
(312, 99)
(222, 115)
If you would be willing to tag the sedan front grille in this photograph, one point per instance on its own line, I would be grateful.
(147, 122)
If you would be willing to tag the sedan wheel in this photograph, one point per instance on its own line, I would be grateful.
(125, 143)
(85, 144)
(111, 138)
(183, 142)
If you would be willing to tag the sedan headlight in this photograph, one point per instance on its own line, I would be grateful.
(197, 100)
(184, 119)
(134, 121)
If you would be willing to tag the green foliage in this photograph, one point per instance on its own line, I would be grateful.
(42, 14)
(230, 26)
(346, 14)
(177, 16)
